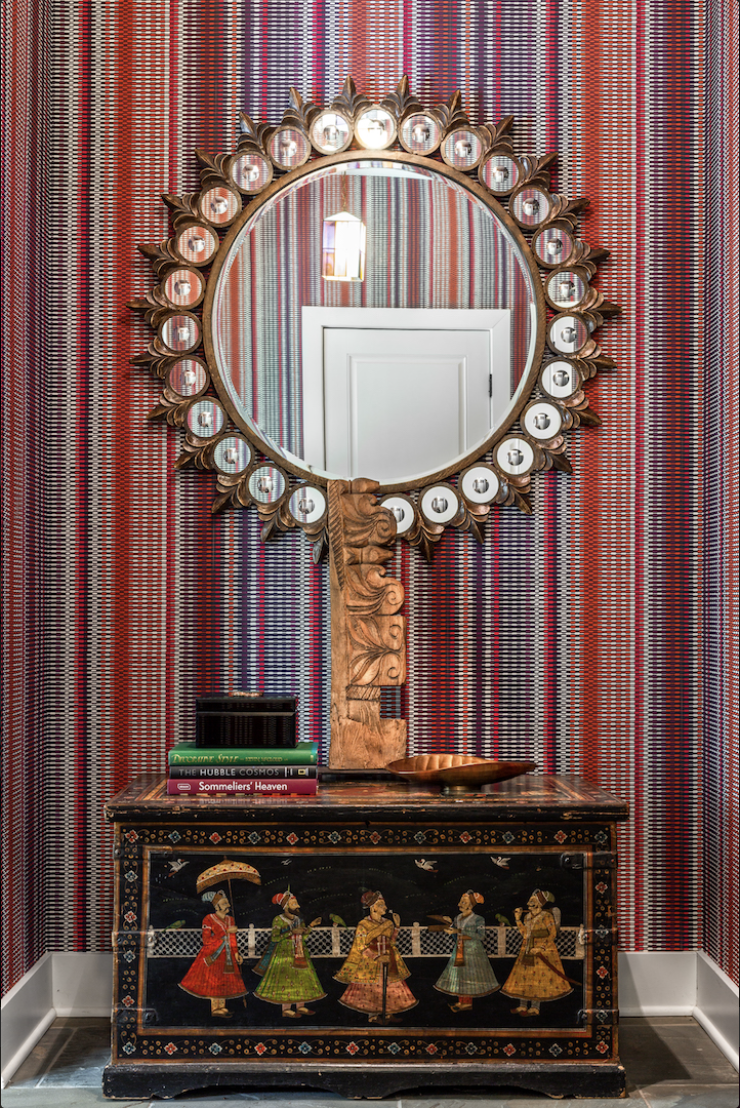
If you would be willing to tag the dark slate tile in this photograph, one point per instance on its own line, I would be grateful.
(589, 1102)
(492, 1098)
(316, 1099)
(695, 1096)
(269, 1098)
(25, 1097)
(80, 1060)
(70, 1044)
(42, 1057)
(514, 1100)
(695, 1057)
(647, 1057)
(78, 1023)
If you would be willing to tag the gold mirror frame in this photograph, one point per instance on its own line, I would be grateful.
(218, 440)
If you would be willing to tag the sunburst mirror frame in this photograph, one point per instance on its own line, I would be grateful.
(517, 188)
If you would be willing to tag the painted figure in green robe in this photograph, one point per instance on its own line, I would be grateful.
(288, 977)
(468, 973)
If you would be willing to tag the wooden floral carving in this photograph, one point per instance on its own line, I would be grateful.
(368, 634)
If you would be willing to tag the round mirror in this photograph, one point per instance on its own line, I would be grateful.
(374, 318)
(392, 294)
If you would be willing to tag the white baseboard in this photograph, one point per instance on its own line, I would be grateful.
(58, 985)
(657, 983)
(717, 1006)
(82, 984)
(27, 1012)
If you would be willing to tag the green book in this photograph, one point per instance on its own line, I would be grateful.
(188, 754)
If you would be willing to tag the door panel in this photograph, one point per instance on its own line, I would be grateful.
(395, 401)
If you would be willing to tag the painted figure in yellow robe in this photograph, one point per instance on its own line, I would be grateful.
(538, 972)
(375, 973)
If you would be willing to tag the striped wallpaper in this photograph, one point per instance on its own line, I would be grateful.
(598, 636)
(720, 493)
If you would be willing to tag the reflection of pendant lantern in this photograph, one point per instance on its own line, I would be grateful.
(343, 256)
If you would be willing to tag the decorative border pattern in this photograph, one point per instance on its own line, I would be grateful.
(299, 837)
(518, 187)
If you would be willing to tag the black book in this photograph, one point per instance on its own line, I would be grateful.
(221, 772)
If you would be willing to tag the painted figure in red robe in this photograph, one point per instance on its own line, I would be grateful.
(215, 973)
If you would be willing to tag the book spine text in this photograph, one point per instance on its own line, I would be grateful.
(235, 786)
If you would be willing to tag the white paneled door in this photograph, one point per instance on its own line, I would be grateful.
(395, 393)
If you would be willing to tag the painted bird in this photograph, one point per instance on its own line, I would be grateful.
(502, 862)
(422, 863)
(176, 925)
(177, 865)
(337, 920)
(502, 921)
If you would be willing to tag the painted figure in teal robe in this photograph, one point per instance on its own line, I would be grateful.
(469, 972)
(288, 977)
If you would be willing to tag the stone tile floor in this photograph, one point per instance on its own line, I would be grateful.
(670, 1063)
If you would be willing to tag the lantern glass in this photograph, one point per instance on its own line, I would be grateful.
(343, 248)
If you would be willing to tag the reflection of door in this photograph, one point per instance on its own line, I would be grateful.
(393, 393)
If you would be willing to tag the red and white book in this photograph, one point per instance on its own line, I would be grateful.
(240, 786)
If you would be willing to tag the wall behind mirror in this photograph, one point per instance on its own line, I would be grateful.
(583, 637)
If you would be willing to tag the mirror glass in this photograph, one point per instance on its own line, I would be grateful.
(445, 315)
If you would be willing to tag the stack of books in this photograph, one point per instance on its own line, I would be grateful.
(244, 746)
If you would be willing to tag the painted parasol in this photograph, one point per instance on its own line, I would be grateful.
(228, 871)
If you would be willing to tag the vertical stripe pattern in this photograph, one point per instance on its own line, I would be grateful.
(598, 636)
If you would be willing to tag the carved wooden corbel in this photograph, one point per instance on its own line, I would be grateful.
(368, 634)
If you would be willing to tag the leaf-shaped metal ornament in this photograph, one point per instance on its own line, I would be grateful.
(349, 100)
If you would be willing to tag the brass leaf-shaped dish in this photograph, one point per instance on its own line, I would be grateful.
(454, 772)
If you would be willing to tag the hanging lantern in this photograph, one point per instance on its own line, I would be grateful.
(343, 256)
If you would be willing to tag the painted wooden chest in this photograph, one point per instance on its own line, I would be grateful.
(368, 940)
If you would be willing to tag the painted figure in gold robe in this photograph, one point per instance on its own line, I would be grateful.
(374, 972)
(538, 971)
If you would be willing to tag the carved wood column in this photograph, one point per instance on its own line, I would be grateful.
(368, 636)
